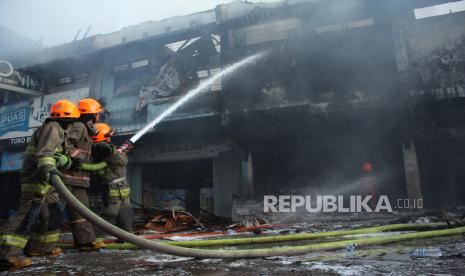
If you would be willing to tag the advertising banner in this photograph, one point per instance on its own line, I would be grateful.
(14, 117)
(39, 109)
(11, 79)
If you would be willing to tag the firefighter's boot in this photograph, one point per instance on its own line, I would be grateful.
(14, 263)
(91, 246)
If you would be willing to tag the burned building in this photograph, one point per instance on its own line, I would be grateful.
(341, 83)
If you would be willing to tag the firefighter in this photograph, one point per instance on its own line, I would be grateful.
(35, 226)
(78, 144)
(115, 188)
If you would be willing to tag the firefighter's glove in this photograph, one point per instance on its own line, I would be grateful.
(102, 150)
(63, 161)
(107, 149)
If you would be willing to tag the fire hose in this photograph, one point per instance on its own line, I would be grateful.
(333, 245)
(286, 238)
(232, 254)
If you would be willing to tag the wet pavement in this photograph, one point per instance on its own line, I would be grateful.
(392, 259)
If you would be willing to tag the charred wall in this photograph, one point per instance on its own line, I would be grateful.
(323, 57)
(436, 90)
(324, 100)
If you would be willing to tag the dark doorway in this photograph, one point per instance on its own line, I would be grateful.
(10, 189)
(179, 183)
(442, 163)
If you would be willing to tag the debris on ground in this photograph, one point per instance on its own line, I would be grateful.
(173, 221)
(427, 252)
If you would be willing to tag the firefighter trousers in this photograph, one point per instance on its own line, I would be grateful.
(118, 210)
(83, 231)
(35, 226)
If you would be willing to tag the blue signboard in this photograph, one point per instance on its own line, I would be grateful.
(11, 161)
(14, 117)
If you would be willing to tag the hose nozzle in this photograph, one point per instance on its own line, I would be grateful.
(126, 147)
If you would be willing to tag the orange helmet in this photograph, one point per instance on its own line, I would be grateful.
(64, 109)
(367, 167)
(104, 133)
(89, 106)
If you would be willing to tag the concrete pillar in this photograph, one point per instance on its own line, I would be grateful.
(247, 175)
(412, 172)
(249, 180)
(95, 82)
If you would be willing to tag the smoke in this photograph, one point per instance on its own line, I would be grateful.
(332, 71)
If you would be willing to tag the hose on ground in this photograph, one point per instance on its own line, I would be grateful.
(229, 254)
(287, 238)
(303, 249)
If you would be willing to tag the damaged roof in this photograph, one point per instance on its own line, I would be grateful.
(221, 14)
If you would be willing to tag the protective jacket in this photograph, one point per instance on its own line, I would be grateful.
(113, 178)
(46, 141)
(78, 146)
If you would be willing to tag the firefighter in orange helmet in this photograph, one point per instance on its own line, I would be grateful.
(78, 144)
(115, 188)
(34, 229)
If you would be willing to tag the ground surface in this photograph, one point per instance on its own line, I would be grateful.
(391, 259)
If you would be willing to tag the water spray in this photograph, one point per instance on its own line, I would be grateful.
(202, 87)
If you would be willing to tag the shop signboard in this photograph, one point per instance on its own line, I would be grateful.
(11, 79)
(15, 142)
(38, 109)
(183, 151)
(14, 117)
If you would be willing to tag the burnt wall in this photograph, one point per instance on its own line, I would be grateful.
(334, 54)
(437, 57)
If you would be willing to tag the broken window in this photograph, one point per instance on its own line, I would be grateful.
(81, 77)
(120, 68)
(185, 63)
(345, 25)
(271, 31)
(178, 45)
(65, 80)
(140, 63)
